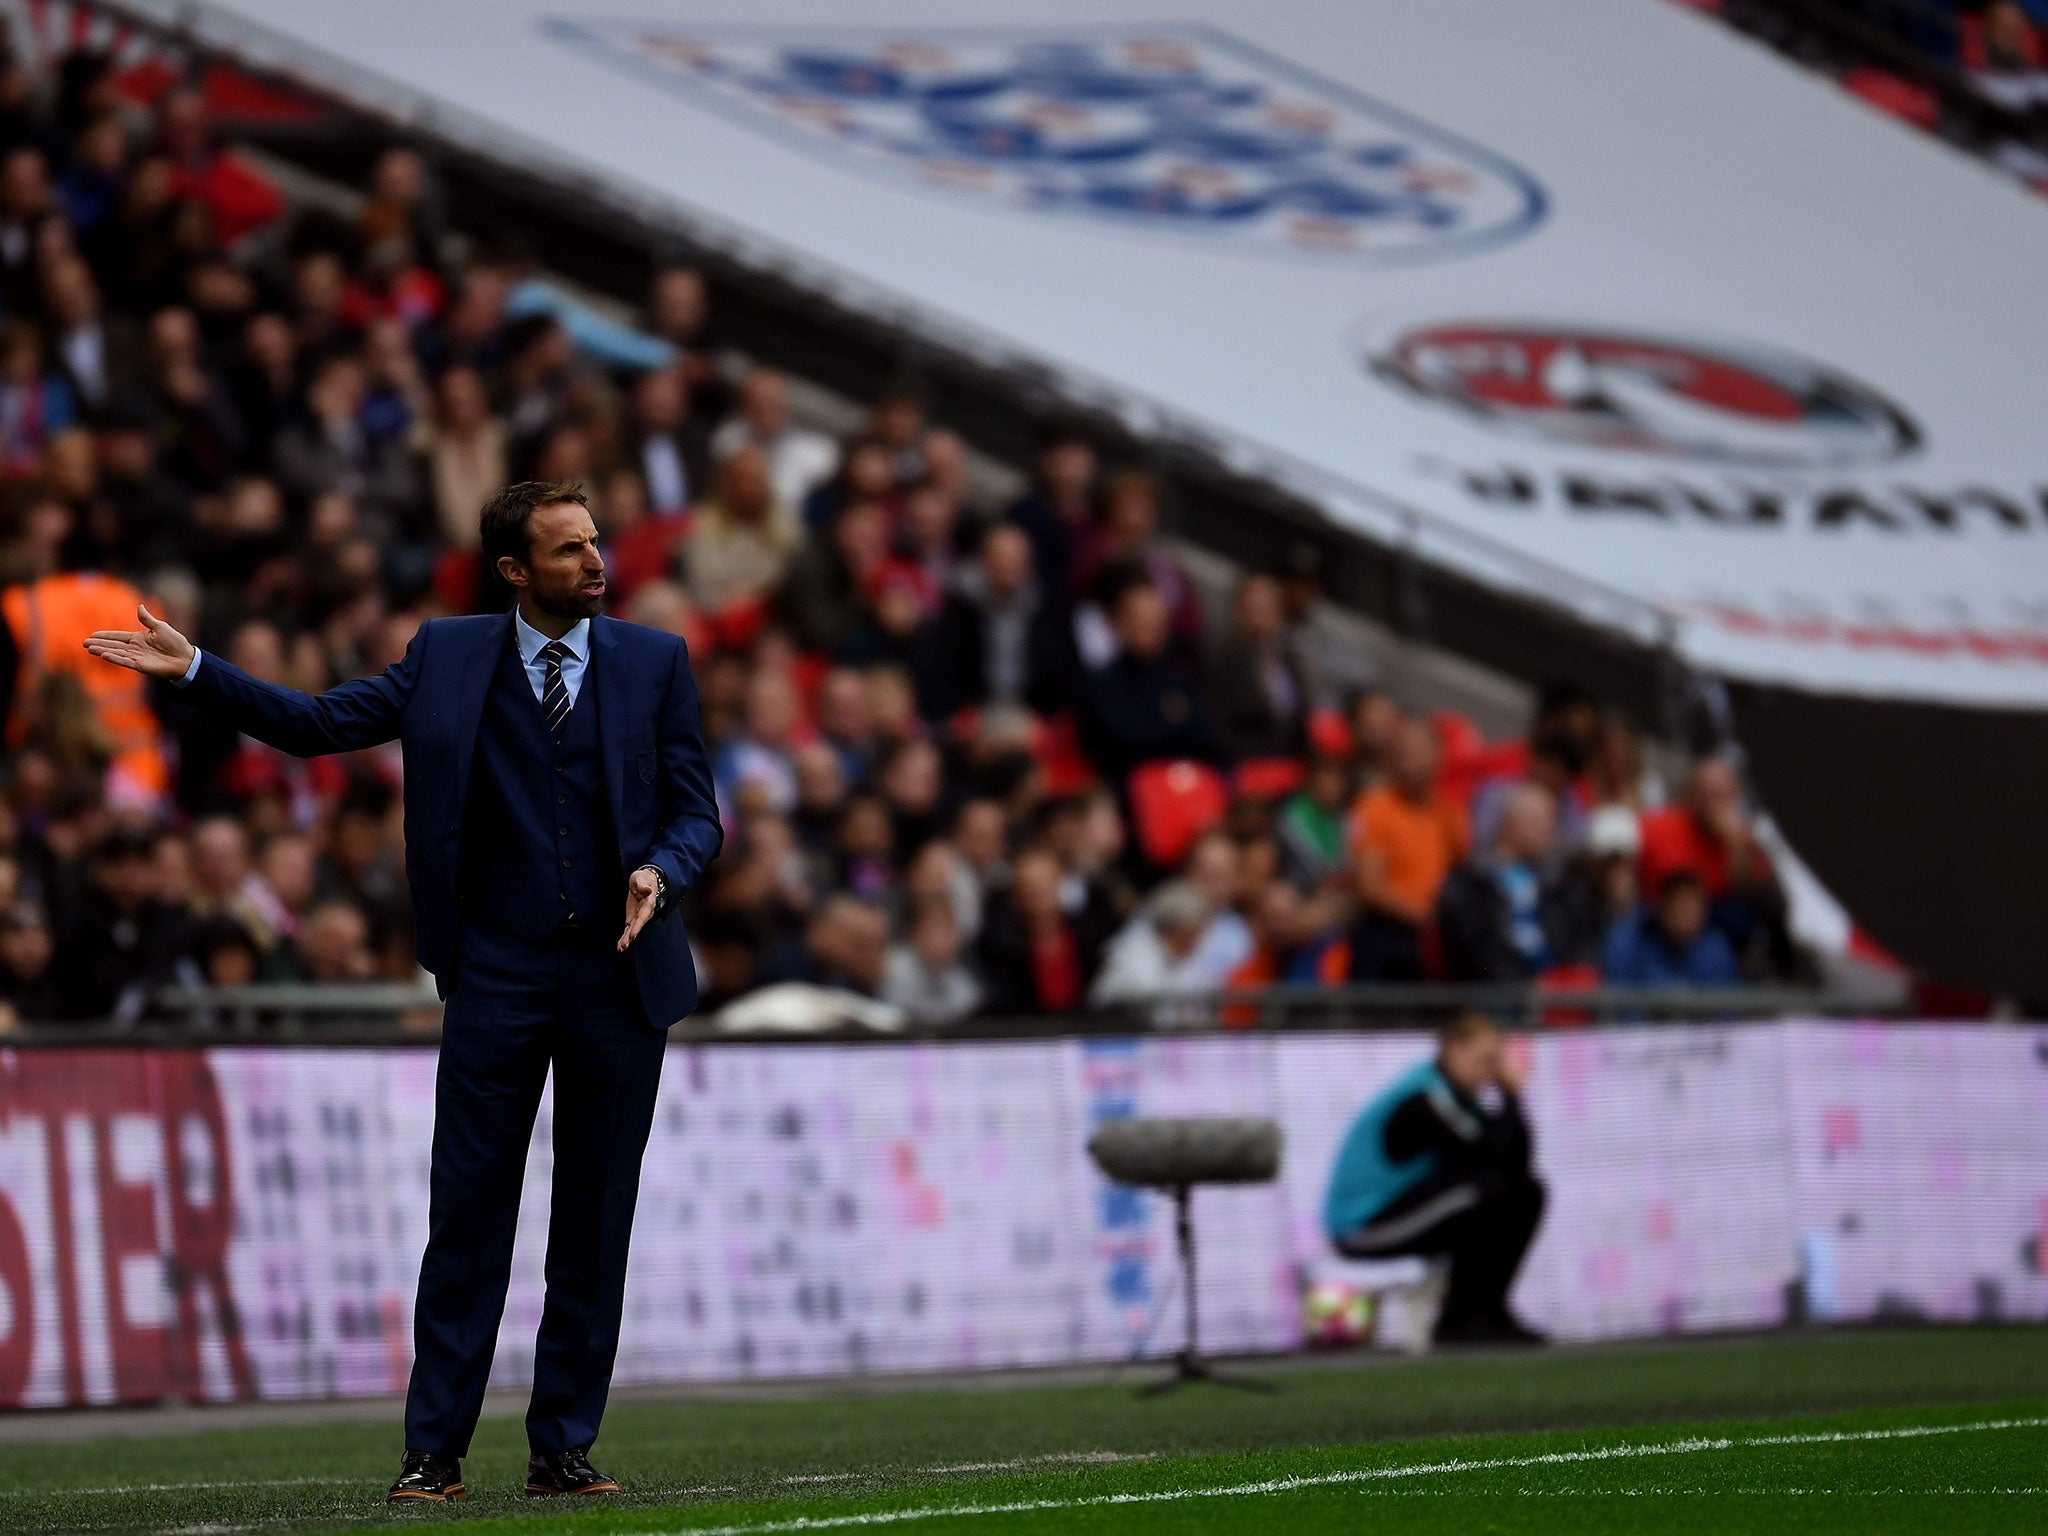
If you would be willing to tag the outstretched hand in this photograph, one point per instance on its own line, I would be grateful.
(643, 892)
(155, 650)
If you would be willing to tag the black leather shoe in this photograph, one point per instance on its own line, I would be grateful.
(549, 1473)
(424, 1478)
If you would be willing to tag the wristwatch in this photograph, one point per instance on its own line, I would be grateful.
(660, 884)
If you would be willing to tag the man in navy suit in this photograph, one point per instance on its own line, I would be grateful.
(558, 802)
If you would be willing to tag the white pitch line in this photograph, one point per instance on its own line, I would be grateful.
(1331, 1479)
(1050, 1459)
(1553, 1458)
(1078, 1458)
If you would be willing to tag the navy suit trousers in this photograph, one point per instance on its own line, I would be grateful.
(517, 1008)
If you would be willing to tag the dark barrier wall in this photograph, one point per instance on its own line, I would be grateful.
(1929, 823)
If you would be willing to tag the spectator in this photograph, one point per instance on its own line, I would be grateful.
(1144, 705)
(1086, 831)
(1671, 944)
(1510, 914)
(1155, 955)
(222, 953)
(1297, 945)
(90, 186)
(1710, 836)
(912, 782)
(897, 423)
(1616, 773)
(1230, 885)
(46, 619)
(1057, 508)
(1260, 685)
(1569, 711)
(846, 947)
(666, 446)
(24, 203)
(824, 598)
(1554, 766)
(99, 356)
(289, 867)
(1000, 636)
(1299, 571)
(945, 467)
(120, 943)
(1406, 836)
(742, 542)
(799, 461)
(236, 199)
(34, 405)
(333, 944)
(401, 205)
(1034, 957)
(928, 541)
(1129, 533)
(28, 985)
(329, 451)
(472, 331)
(867, 473)
(865, 848)
(363, 868)
(1614, 841)
(1375, 719)
(468, 455)
(1311, 822)
(226, 883)
(925, 975)
(980, 862)
(679, 314)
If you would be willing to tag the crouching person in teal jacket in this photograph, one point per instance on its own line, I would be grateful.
(1438, 1165)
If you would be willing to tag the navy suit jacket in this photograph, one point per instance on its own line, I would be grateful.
(657, 773)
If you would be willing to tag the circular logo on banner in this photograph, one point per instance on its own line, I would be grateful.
(1176, 129)
(1604, 389)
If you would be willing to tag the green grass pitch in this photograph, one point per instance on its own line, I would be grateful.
(1938, 1429)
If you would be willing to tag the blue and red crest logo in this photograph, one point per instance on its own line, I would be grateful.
(1583, 387)
(1178, 129)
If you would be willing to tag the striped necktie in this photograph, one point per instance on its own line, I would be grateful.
(554, 693)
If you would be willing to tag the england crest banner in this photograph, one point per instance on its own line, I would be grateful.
(1600, 303)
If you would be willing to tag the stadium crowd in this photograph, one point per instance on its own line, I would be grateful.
(971, 758)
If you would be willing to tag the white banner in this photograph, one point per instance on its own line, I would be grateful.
(245, 1223)
(1600, 301)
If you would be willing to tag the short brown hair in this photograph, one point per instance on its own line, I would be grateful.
(1463, 1026)
(507, 514)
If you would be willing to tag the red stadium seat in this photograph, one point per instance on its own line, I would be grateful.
(735, 628)
(1889, 93)
(1568, 978)
(1269, 778)
(806, 673)
(1469, 760)
(455, 580)
(1057, 745)
(1328, 735)
(1172, 804)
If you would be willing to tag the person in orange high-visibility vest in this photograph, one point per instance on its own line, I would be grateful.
(49, 618)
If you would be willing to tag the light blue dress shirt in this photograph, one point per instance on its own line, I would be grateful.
(530, 642)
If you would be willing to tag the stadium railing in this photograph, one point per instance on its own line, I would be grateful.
(393, 1013)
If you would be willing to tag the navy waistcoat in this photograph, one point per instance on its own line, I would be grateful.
(538, 840)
